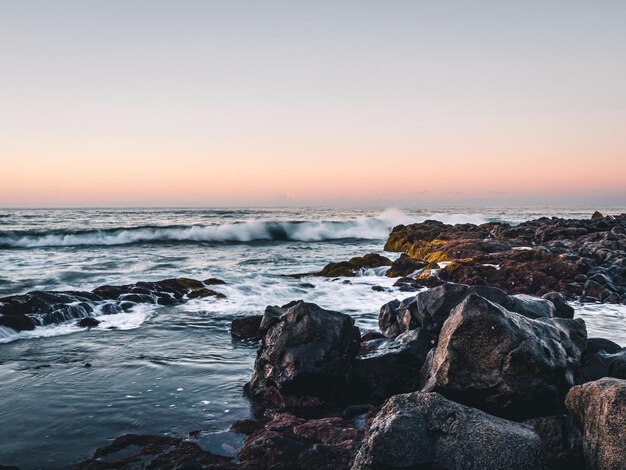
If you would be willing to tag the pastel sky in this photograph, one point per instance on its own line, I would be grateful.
(269, 102)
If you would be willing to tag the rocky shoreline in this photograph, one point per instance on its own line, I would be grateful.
(486, 368)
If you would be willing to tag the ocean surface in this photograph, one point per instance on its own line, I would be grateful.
(175, 370)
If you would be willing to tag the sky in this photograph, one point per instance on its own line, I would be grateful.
(216, 103)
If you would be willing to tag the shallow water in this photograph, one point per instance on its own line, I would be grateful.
(174, 370)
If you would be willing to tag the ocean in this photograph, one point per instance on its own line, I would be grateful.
(176, 370)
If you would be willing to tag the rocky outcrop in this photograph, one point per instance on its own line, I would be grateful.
(600, 408)
(38, 308)
(582, 259)
(305, 351)
(425, 430)
(386, 367)
(404, 266)
(504, 363)
(429, 309)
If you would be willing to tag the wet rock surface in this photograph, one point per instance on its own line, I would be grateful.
(39, 308)
(582, 259)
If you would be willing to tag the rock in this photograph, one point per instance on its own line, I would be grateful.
(246, 327)
(246, 426)
(561, 440)
(562, 308)
(352, 267)
(535, 257)
(306, 351)
(600, 344)
(40, 308)
(597, 216)
(600, 408)
(603, 364)
(370, 335)
(378, 288)
(404, 266)
(504, 363)
(133, 451)
(429, 309)
(385, 367)
(87, 322)
(425, 430)
(213, 281)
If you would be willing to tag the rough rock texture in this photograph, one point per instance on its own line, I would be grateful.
(352, 267)
(425, 430)
(26, 311)
(429, 309)
(385, 367)
(562, 308)
(404, 266)
(305, 351)
(504, 363)
(600, 408)
(561, 441)
(582, 259)
(246, 327)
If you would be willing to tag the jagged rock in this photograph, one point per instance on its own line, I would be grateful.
(425, 430)
(306, 351)
(429, 309)
(561, 440)
(246, 327)
(352, 267)
(600, 408)
(385, 367)
(404, 266)
(504, 363)
(562, 308)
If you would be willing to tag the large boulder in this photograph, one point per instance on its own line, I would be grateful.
(504, 363)
(305, 351)
(425, 430)
(385, 367)
(353, 266)
(600, 408)
(429, 309)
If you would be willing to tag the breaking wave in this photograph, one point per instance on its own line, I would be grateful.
(365, 228)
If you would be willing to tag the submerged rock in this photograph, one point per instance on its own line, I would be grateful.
(504, 363)
(352, 267)
(305, 351)
(600, 408)
(425, 430)
(87, 322)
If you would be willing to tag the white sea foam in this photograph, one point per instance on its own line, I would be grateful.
(366, 228)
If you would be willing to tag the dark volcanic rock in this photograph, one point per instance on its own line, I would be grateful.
(87, 322)
(352, 267)
(38, 308)
(600, 408)
(306, 351)
(385, 367)
(582, 259)
(424, 430)
(603, 364)
(429, 309)
(561, 440)
(246, 327)
(562, 308)
(404, 266)
(504, 363)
